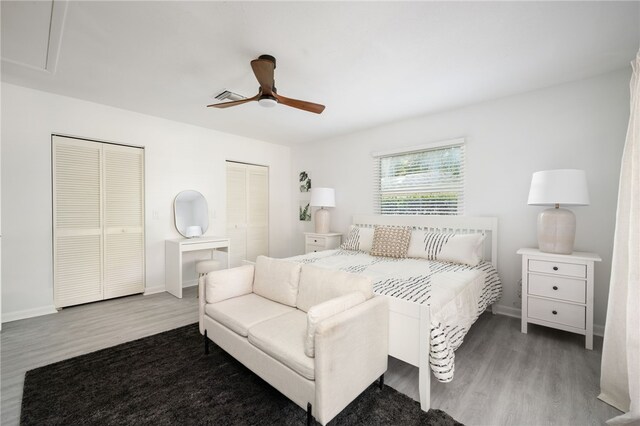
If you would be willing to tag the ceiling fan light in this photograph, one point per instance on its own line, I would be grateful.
(268, 101)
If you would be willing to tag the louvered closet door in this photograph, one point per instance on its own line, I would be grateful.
(123, 220)
(237, 212)
(257, 212)
(77, 221)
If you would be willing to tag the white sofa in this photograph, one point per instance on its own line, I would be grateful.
(316, 335)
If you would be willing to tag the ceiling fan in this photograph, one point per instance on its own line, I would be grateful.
(268, 96)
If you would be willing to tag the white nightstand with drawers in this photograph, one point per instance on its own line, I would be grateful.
(317, 242)
(557, 291)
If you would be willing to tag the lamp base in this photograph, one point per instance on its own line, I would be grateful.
(322, 221)
(556, 231)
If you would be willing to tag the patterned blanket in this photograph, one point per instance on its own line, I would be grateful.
(457, 294)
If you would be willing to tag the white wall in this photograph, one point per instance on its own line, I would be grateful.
(177, 157)
(577, 125)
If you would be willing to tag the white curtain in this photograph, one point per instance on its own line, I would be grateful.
(620, 370)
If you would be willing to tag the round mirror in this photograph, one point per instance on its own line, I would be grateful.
(191, 214)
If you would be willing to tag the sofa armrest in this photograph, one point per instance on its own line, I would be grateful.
(351, 353)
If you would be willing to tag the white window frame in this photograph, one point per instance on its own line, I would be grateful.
(456, 186)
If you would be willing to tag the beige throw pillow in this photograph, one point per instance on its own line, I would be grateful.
(324, 310)
(391, 241)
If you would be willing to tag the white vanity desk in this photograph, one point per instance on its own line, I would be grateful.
(173, 257)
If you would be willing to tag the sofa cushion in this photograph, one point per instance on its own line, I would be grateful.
(318, 285)
(277, 280)
(283, 339)
(227, 283)
(241, 313)
(325, 310)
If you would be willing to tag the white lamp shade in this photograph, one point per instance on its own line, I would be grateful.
(323, 197)
(566, 186)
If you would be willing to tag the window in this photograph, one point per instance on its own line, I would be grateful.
(422, 181)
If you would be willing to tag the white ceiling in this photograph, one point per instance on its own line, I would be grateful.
(369, 63)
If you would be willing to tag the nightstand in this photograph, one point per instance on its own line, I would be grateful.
(557, 291)
(317, 242)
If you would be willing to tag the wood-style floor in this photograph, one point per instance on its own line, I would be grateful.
(502, 377)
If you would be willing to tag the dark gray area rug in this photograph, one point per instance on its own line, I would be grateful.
(167, 379)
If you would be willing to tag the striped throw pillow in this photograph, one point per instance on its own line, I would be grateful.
(358, 239)
(446, 246)
(427, 245)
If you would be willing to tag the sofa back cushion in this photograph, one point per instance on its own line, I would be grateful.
(227, 283)
(318, 285)
(277, 280)
(324, 310)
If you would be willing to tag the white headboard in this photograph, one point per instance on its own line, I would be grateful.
(462, 224)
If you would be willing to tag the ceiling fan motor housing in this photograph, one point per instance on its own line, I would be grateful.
(268, 58)
(267, 101)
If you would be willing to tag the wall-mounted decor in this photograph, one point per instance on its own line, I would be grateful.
(305, 182)
(304, 211)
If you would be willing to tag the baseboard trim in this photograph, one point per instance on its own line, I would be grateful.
(190, 283)
(507, 311)
(28, 313)
(598, 330)
(154, 290)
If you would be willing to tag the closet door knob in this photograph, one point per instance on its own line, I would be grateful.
(554, 312)
(555, 268)
(555, 287)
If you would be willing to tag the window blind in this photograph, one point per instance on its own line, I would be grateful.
(424, 182)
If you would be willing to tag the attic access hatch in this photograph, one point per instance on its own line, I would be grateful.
(32, 33)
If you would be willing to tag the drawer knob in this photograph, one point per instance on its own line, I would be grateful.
(555, 268)
(554, 312)
(555, 287)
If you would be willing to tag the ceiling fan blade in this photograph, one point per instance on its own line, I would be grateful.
(234, 103)
(303, 105)
(263, 69)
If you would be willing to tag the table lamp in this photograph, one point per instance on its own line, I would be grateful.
(322, 197)
(556, 226)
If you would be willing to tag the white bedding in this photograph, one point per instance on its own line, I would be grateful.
(457, 294)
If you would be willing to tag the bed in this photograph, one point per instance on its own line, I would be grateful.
(432, 304)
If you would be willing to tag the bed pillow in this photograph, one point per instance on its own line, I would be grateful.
(463, 248)
(427, 244)
(324, 310)
(358, 239)
(447, 247)
(391, 241)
